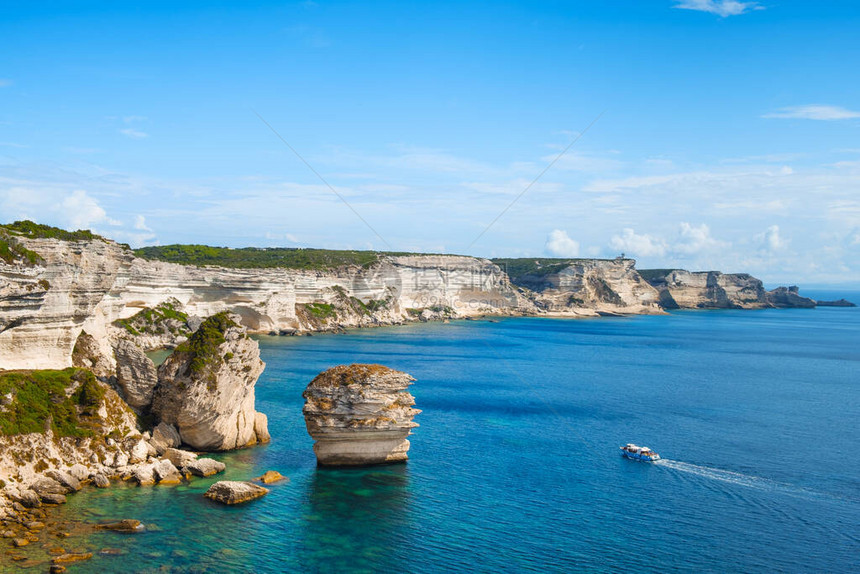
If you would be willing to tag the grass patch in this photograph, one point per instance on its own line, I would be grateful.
(253, 257)
(264, 257)
(13, 252)
(345, 375)
(516, 268)
(321, 310)
(41, 396)
(204, 343)
(31, 229)
(153, 320)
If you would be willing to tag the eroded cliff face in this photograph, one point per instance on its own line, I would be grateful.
(44, 307)
(680, 289)
(87, 286)
(101, 288)
(589, 287)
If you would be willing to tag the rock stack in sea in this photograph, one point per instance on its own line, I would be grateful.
(360, 415)
(206, 387)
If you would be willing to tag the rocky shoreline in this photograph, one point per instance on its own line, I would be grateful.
(82, 404)
(134, 424)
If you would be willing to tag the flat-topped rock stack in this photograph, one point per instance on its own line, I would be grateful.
(360, 415)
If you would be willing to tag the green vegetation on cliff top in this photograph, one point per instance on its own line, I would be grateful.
(537, 267)
(309, 259)
(253, 257)
(11, 252)
(204, 343)
(30, 399)
(33, 230)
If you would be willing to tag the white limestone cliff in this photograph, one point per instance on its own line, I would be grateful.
(206, 387)
(87, 286)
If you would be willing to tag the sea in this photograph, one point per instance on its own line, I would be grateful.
(516, 466)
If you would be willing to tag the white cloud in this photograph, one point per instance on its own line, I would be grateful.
(81, 211)
(140, 223)
(5, 82)
(629, 242)
(720, 7)
(133, 133)
(143, 234)
(814, 112)
(693, 240)
(770, 240)
(559, 244)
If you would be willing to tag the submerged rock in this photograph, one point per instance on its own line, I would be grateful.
(76, 557)
(271, 476)
(126, 525)
(206, 387)
(360, 414)
(234, 492)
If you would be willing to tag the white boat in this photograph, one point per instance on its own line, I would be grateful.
(639, 453)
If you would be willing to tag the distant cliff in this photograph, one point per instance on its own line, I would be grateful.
(680, 289)
(56, 286)
(582, 286)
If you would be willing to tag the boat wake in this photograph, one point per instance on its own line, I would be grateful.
(740, 479)
(718, 474)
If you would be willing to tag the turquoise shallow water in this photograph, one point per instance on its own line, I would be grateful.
(516, 466)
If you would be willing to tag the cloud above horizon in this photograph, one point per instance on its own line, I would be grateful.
(131, 131)
(722, 8)
(560, 244)
(814, 112)
(688, 241)
(732, 215)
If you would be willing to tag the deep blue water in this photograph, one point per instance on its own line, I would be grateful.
(516, 467)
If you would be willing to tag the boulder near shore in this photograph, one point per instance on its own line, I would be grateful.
(235, 492)
(360, 415)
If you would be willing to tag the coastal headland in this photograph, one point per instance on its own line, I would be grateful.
(81, 402)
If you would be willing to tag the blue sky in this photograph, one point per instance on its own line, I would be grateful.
(729, 136)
